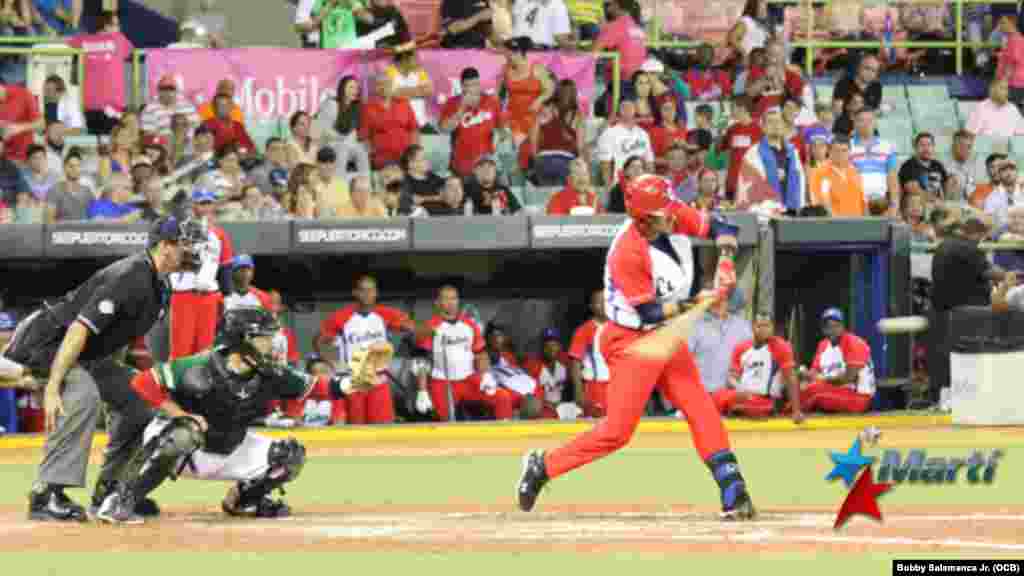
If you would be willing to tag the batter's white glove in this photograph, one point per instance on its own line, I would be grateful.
(488, 385)
(423, 404)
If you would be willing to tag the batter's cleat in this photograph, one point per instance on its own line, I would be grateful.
(742, 507)
(118, 508)
(267, 507)
(52, 505)
(532, 480)
(147, 508)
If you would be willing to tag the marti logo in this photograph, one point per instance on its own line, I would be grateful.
(915, 469)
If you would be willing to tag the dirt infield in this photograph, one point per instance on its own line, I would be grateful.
(579, 528)
(583, 527)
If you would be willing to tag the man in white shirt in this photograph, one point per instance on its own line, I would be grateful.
(996, 116)
(156, 116)
(59, 106)
(306, 26)
(546, 22)
(876, 161)
(621, 141)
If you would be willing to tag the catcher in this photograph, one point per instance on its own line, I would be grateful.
(206, 403)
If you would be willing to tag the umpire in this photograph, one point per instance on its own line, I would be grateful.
(961, 276)
(71, 345)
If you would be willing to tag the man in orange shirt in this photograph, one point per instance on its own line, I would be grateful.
(225, 87)
(836, 184)
(993, 165)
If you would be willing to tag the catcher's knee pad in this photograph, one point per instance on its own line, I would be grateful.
(164, 455)
(285, 460)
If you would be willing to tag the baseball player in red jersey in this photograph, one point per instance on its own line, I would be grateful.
(842, 373)
(196, 301)
(646, 282)
(757, 372)
(551, 373)
(459, 363)
(243, 293)
(589, 370)
(357, 326)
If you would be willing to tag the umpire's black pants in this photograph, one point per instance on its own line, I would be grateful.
(939, 353)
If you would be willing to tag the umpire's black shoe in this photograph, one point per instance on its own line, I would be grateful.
(147, 508)
(532, 480)
(52, 505)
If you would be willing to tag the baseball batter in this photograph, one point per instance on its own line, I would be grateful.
(646, 283)
(207, 403)
(355, 327)
(842, 375)
(757, 372)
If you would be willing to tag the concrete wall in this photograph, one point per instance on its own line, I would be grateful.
(250, 22)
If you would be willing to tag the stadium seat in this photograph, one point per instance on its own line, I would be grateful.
(894, 96)
(898, 129)
(964, 108)
(985, 145)
(538, 195)
(438, 150)
(823, 91)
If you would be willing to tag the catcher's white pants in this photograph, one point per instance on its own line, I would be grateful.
(248, 461)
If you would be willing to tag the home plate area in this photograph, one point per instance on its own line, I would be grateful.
(665, 532)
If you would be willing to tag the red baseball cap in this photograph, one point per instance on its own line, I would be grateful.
(647, 195)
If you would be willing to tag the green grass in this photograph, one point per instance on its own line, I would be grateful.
(777, 476)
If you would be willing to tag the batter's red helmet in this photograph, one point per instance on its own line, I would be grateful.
(647, 195)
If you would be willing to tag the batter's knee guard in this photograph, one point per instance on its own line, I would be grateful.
(285, 460)
(163, 456)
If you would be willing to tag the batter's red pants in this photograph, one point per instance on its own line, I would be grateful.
(194, 317)
(828, 398)
(632, 381)
(502, 402)
(755, 406)
(595, 398)
(373, 406)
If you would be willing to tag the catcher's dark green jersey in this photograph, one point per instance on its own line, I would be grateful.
(203, 385)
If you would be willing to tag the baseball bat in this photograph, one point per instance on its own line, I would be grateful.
(662, 343)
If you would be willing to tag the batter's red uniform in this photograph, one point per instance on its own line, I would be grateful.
(593, 367)
(453, 346)
(758, 372)
(551, 381)
(638, 272)
(353, 330)
(196, 302)
(852, 351)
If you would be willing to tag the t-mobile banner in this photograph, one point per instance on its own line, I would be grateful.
(271, 83)
(445, 70)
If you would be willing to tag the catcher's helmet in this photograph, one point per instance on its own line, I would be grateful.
(190, 233)
(647, 195)
(239, 325)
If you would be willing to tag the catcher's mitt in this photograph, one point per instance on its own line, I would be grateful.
(366, 363)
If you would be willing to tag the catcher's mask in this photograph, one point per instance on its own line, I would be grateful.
(189, 233)
(240, 326)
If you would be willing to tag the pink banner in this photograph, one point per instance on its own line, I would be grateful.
(272, 83)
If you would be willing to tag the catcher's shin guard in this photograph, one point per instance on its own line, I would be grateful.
(285, 460)
(163, 456)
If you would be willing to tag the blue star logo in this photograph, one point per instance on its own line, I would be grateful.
(848, 464)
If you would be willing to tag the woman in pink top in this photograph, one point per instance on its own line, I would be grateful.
(1011, 60)
(623, 34)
